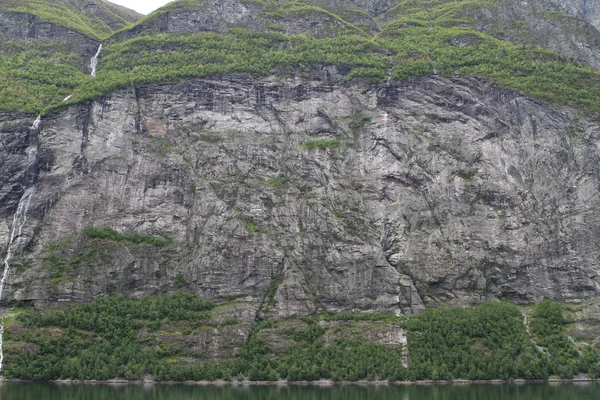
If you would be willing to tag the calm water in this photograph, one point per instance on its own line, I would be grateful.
(43, 391)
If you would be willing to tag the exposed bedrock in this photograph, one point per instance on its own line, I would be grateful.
(302, 196)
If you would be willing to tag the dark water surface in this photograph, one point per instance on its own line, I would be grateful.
(542, 391)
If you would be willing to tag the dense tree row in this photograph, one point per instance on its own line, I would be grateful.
(102, 340)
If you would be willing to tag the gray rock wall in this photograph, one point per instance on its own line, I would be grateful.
(302, 196)
(222, 15)
(588, 10)
(542, 23)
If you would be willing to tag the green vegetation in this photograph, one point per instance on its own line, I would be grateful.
(99, 340)
(416, 52)
(161, 58)
(489, 341)
(37, 74)
(359, 123)
(429, 13)
(343, 360)
(467, 174)
(69, 258)
(108, 338)
(271, 292)
(252, 227)
(322, 144)
(567, 358)
(532, 70)
(278, 182)
(34, 78)
(486, 342)
(68, 14)
(63, 264)
(113, 337)
(111, 234)
(547, 319)
(416, 41)
(271, 12)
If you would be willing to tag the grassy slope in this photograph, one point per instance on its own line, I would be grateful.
(31, 82)
(418, 35)
(419, 40)
(34, 74)
(71, 14)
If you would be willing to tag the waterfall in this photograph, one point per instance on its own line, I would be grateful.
(94, 61)
(19, 220)
(15, 242)
(36, 123)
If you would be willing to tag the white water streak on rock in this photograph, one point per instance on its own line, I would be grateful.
(94, 61)
(36, 123)
(19, 221)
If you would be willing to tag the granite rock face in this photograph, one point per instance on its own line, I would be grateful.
(588, 10)
(570, 28)
(113, 15)
(565, 30)
(305, 195)
(222, 15)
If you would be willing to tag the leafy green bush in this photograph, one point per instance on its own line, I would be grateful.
(547, 319)
(252, 227)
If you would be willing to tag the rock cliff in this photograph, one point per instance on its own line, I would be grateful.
(335, 196)
(586, 9)
(566, 30)
(294, 159)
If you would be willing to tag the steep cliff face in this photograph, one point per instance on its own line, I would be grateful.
(222, 15)
(588, 10)
(568, 32)
(301, 196)
(299, 159)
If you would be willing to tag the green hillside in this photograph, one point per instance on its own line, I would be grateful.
(74, 14)
(412, 39)
(37, 72)
(118, 337)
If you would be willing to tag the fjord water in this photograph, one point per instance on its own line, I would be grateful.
(541, 391)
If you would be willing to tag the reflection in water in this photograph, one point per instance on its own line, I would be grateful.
(542, 391)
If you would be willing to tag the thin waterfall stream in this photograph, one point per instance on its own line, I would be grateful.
(94, 61)
(19, 219)
(20, 216)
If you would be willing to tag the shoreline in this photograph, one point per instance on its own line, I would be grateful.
(319, 383)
